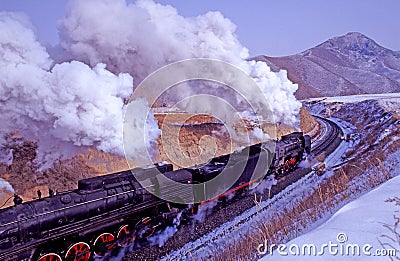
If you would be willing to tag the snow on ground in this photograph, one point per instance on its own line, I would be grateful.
(357, 227)
(248, 222)
(356, 98)
(335, 158)
(219, 239)
(359, 223)
(329, 105)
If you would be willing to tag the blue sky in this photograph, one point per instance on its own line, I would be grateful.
(275, 28)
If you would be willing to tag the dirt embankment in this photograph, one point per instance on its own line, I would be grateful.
(188, 139)
(307, 122)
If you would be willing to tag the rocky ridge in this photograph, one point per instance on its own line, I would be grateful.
(344, 65)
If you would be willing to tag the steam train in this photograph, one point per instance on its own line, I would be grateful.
(116, 210)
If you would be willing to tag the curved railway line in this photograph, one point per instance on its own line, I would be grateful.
(326, 142)
(223, 213)
(332, 132)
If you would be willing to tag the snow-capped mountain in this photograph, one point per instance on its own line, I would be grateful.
(344, 65)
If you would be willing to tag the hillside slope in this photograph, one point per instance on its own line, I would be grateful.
(344, 65)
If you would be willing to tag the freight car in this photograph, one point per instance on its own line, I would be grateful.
(117, 209)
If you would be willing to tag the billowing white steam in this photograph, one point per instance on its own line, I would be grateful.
(265, 185)
(5, 186)
(63, 106)
(161, 237)
(204, 210)
(137, 138)
(69, 105)
(142, 37)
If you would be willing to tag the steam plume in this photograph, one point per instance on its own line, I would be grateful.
(64, 107)
(69, 104)
(5, 186)
(142, 37)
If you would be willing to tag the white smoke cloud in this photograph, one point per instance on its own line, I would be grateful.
(265, 184)
(142, 37)
(5, 186)
(308, 162)
(204, 210)
(161, 237)
(78, 102)
(19, 44)
(140, 131)
(63, 107)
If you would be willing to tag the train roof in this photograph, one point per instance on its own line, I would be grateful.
(123, 176)
(292, 135)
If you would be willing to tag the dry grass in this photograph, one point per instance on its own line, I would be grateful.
(392, 241)
(365, 171)
(290, 222)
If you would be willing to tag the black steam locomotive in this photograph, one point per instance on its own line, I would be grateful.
(118, 209)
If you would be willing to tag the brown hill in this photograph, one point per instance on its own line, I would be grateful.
(345, 65)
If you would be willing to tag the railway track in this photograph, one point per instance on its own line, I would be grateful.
(188, 233)
(332, 132)
(221, 214)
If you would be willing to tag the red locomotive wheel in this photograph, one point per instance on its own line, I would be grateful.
(145, 220)
(125, 236)
(103, 243)
(50, 257)
(78, 252)
(146, 227)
